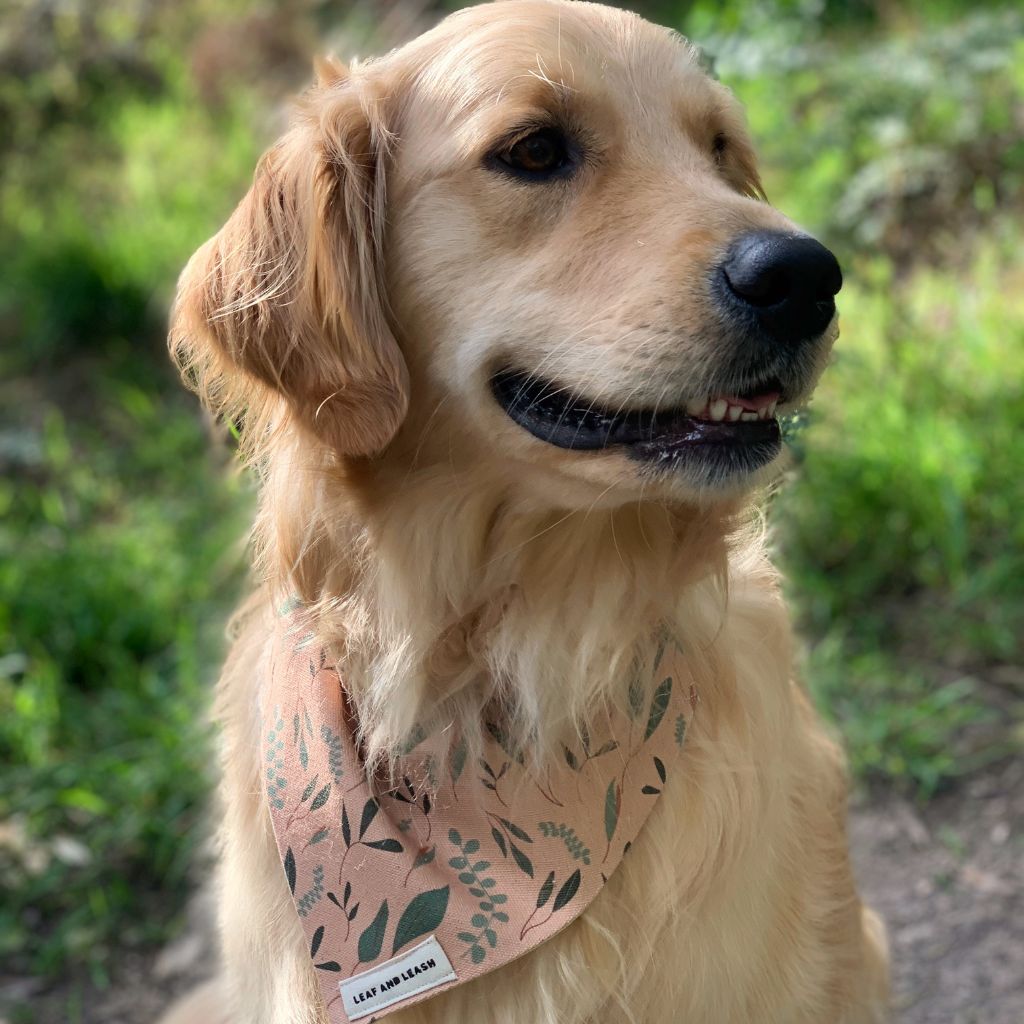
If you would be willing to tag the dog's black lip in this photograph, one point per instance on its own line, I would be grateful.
(555, 415)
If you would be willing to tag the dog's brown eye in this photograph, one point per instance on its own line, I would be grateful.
(718, 147)
(542, 154)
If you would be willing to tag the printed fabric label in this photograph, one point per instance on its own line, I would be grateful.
(422, 968)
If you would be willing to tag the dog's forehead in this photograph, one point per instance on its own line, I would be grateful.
(503, 62)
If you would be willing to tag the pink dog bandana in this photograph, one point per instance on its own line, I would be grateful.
(404, 890)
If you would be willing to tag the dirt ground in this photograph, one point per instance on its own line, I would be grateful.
(949, 881)
(948, 878)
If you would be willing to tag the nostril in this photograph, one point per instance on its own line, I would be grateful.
(757, 285)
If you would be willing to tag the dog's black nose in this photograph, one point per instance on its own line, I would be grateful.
(786, 284)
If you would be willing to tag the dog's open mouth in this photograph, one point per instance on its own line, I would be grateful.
(732, 425)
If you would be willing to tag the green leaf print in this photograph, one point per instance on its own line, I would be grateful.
(504, 741)
(504, 841)
(457, 760)
(423, 914)
(370, 809)
(482, 888)
(424, 858)
(430, 766)
(568, 835)
(611, 809)
(516, 830)
(577, 764)
(276, 780)
(310, 786)
(289, 869)
(311, 897)
(659, 705)
(568, 890)
(546, 890)
(413, 740)
(321, 798)
(372, 937)
(387, 845)
(319, 836)
(680, 730)
(522, 861)
(499, 841)
(636, 695)
(335, 759)
(660, 652)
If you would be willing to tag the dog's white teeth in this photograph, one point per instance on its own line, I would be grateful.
(718, 410)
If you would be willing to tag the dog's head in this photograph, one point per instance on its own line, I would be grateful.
(532, 242)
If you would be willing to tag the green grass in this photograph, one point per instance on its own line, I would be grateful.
(119, 553)
(911, 479)
(120, 532)
(901, 531)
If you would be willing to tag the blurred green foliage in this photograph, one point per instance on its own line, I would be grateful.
(120, 534)
(128, 129)
(896, 143)
(901, 533)
(909, 486)
(119, 542)
(901, 145)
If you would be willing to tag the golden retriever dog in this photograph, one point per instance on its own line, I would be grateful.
(506, 323)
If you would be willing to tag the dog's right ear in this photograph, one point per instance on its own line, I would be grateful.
(286, 302)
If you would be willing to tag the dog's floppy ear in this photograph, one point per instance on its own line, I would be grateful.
(286, 302)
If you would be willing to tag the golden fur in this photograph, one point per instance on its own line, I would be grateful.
(348, 317)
